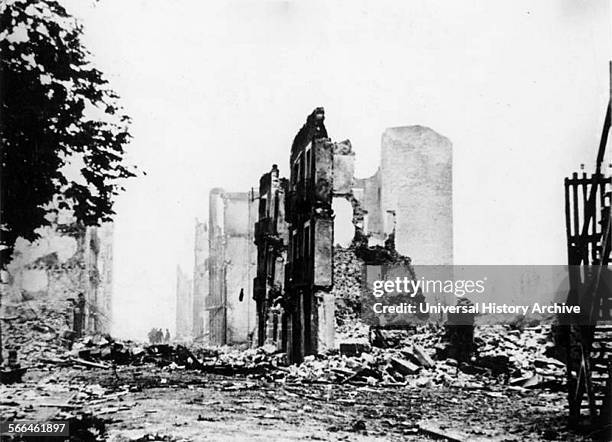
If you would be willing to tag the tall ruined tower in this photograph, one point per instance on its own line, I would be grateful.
(230, 309)
(271, 240)
(321, 176)
(417, 193)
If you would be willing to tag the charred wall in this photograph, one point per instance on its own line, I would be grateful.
(271, 240)
(321, 176)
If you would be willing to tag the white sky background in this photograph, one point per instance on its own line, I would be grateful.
(217, 90)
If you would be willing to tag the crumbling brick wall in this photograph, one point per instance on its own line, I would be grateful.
(349, 263)
(405, 207)
(347, 284)
(66, 260)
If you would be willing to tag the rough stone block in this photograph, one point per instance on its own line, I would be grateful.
(353, 348)
(404, 367)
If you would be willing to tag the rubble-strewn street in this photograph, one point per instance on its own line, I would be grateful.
(149, 403)
(321, 220)
(400, 390)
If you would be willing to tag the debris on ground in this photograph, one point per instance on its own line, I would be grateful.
(413, 357)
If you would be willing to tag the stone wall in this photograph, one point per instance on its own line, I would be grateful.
(66, 260)
(416, 185)
(368, 192)
(232, 266)
(240, 305)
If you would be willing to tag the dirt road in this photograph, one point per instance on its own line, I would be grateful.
(148, 403)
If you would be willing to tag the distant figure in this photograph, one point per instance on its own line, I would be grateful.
(460, 333)
(241, 295)
(151, 335)
(155, 336)
(167, 337)
(78, 314)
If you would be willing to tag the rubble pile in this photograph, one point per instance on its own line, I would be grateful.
(352, 331)
(34, 330)
(523, 355)
(348, 267)
(416, 358)
(264, 360)
(106, 353)
(79, 403)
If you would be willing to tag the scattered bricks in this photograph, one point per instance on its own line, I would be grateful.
(106, 353)
(423, 382)
(503, 354)
(422, 356)
(404, 367)
(347, 284)
(367, 358)
(533, 382)
(498, 364)
(343, 372)
(519, 382)
(547, 363)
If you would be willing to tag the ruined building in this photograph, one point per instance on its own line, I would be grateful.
(229, 312)
(335, 223)
(313, 183)
(271, 236)
(66, 260)
(417, 186)
(285, 270)
(184, 303)
(411, 195)
(200, 279)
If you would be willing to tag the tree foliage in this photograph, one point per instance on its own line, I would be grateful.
(56, 110)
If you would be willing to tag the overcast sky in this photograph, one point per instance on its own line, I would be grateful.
(217, 90)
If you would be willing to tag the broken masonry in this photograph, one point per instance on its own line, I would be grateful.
(309, 269)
